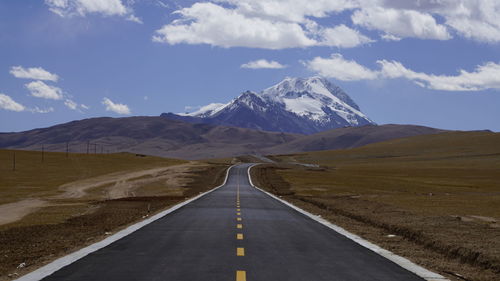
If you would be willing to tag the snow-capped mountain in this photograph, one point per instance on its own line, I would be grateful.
(296, 105)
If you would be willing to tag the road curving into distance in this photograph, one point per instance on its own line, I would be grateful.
(234, 233)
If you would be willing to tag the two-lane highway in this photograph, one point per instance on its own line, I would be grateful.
(234, 233)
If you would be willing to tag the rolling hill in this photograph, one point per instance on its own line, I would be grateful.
(160, 136)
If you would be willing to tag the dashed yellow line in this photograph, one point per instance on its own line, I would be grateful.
(240, 252)
(241, 275)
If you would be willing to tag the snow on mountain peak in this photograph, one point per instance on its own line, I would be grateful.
(207, 110)
(313, 101)
(315, 98)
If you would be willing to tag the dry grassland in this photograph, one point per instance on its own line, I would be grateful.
(434, 199)
(54, 207)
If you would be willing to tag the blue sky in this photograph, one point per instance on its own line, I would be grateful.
(411, 62)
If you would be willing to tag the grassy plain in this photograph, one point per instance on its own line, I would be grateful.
(51, 208)
(438, 194)
(34, 178)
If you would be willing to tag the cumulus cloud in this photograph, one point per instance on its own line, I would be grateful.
(343, 37)
(242, 26)
(339, 68)
(401, 23)
(473, 19)
(262, 63)
(485, 76)
(208, 23)
(7, 103)
(41, 90)
(69, 8)
(278, 24)
(118, 108)
(35, 73)
(291, 10)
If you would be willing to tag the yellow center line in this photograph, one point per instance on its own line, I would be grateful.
(238, 214)
(240, 226)
(240, 252)
(239, 236)
(238, 219)
(241, 275)
(238, 210)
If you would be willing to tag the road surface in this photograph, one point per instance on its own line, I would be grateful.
(234, 233)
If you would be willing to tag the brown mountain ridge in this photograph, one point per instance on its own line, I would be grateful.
(172, 138)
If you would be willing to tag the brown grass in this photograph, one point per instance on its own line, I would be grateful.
(68, 224)
(438, 193)
(34, 178)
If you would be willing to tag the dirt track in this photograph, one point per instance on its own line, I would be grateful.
(12, 212)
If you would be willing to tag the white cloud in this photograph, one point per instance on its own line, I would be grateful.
(207, 23)
(35, 73)
(69, 8)
(259, 24)
(134, 19)
(339, 68)
(71, 104)
(262, 63)
(343, 37)
(41, 90)
(41, 110)
(473, 19)
(118, 108)
(390, 37)
(279, 24)
(162, 4)
(486, 76)
(401, 23)
(7, 103)
(291, 10)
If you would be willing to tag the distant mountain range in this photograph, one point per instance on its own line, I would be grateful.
(173, 138)
(295, 105)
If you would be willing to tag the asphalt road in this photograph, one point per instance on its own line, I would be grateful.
(217, 238)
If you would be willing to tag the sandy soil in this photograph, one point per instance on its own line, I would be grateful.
(12, 212)
(123, 184)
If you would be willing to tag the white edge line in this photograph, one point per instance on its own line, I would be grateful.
(54, 266)
(401, 261)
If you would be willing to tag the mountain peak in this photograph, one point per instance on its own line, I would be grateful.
(298, 105)
(316, 84)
